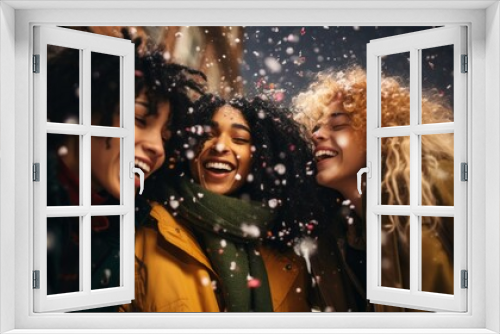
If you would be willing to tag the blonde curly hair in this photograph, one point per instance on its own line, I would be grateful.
(349, 88)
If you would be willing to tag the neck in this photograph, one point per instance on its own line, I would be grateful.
(349, 191)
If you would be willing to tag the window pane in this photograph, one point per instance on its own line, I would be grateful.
(395, 167)
(395, 251)
(105, 166)
(395, 95)
(437, 169)
(437, 254)
(63, 170)
(105, 89)
(63, 255)
(437, 85)
(106, 232)
(63, 82)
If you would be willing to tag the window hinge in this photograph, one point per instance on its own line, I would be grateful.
(464, 173)
(465, 279)
(36, 279)
(465, 64)
(36, 172)
(36, 63)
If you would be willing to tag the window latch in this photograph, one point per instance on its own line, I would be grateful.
(368, 171)
(134, 170)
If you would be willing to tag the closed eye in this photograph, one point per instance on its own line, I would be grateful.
(339, 127)
(140, 120)
(241, 140)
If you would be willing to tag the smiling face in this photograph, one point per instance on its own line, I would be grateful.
(151, 133)
(339, 150)
(224, 161)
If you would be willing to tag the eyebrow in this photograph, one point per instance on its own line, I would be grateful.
(235, 126)
(240, 126)
(332, 116)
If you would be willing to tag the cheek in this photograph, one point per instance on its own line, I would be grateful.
(137, 136)
(194, 163)
(245, 160)
(345, 140)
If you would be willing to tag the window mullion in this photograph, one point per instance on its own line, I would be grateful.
(414, 170)
(85, 163)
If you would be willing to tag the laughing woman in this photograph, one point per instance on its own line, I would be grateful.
(161, 95)
(334, 111)
(221, 237)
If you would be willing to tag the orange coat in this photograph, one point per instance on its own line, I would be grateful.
(173, 274)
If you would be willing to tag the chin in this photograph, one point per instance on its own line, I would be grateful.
(325, 181)
(217, 189)
(115, 191)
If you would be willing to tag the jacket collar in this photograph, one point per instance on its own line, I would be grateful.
(282, 269)
(178, 235)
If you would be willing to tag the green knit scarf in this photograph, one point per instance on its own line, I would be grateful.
(230, 229)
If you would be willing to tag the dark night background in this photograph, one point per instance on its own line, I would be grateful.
(287, 58)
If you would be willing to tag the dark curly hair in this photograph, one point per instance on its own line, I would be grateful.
(160, 80)
(281, 164)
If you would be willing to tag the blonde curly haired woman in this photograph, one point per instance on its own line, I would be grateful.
(333, 109)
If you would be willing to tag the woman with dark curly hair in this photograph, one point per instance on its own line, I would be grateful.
(161, 95)
(228, 211)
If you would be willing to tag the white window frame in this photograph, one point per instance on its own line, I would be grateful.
(85, 43)
(414, 44)
(483, 20)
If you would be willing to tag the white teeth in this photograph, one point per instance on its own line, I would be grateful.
(142, 165)
(218, 165)
(326, 153)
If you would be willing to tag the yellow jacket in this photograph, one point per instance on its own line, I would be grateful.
(172, 273)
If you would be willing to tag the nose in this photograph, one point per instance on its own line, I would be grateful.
(318, 135)
(153, 144)
(220, 145)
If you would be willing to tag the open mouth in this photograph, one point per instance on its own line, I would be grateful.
(219, 167)
(323, 154)
(146, 168)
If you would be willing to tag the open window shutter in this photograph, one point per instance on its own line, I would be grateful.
(416, 46)
(46, 299)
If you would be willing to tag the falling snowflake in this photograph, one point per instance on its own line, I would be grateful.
(250, 230)
(253, 282)
(280, 169)
(273, 203)
(205, 281)
(232, 266)
(346, 202)
(272, 64)
(62, 151)
(305, 248)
